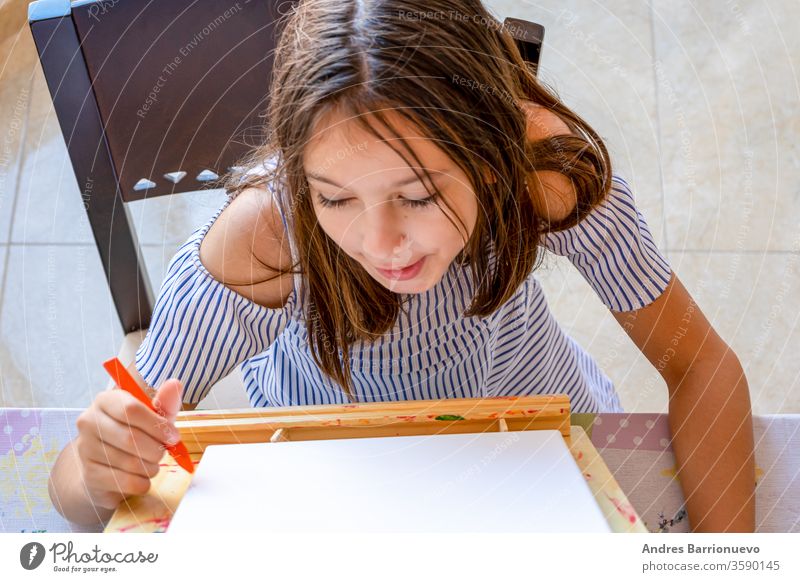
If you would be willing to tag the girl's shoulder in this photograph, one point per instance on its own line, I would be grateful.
(245, 239)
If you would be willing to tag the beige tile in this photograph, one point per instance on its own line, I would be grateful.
(57, 325)
(50, 210)
(598, 58)
(752, 301)
(587, 320)
(13, 18)
(17, 52)
(10, 375)
(156, 259)
(14, 103)
(3, 252)
(167, 221)
(750, 298)
(16, 65)
(729, 109)
(49, 207)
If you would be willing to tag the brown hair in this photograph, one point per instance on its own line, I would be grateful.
(453, 71)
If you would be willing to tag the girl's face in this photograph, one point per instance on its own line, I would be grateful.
(371, 203)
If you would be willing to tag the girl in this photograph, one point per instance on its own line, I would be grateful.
(382, 245)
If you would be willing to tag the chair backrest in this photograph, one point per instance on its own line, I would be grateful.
(158, 98)
(153, 98)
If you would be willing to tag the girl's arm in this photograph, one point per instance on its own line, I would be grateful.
(709, 409)
(709, 400)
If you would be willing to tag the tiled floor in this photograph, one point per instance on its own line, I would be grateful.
(698, 104)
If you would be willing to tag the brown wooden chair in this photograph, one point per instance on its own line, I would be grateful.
(153, 98)
(159, 98)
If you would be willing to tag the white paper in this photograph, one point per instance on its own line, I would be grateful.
(518, 481)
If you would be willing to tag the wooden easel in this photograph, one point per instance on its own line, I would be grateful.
(198, 429)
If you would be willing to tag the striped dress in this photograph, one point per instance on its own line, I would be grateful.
(201, 330)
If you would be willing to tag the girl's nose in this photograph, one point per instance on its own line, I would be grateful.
(383, 238)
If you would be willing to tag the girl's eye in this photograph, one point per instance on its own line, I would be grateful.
(420, 203)
(413, 203)
(330, 203)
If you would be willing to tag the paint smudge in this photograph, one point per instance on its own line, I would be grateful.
(161, 525)
(664, 524)
(671, 473)
(625, 509)
(449, 417)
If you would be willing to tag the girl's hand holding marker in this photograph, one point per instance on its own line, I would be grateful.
(121, 439)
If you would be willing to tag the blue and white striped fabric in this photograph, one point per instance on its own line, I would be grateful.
(201, 330)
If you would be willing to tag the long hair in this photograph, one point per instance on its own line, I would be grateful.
(453, 71)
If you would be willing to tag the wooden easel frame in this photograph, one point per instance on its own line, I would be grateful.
(199, 429)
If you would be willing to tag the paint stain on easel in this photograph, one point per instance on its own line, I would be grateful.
(449, 417)
(161, 524)
(623, 508)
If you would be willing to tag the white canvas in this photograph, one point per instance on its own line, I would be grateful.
(519, 481)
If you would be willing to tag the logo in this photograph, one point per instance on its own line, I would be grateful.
(31, 555)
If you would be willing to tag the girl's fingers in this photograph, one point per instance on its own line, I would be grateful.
(167, 400)
(108, 455)
(109, 482)
(127, 410)
(102, 431)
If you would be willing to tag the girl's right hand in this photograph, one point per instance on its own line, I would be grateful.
(120, 442)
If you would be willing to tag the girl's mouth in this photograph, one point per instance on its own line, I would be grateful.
(405, 273)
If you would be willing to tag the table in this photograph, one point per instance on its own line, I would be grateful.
(635, 447)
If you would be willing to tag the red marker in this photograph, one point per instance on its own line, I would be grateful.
(125, 381)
